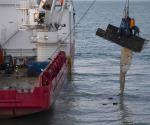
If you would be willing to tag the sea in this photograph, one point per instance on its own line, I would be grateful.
(92, 96)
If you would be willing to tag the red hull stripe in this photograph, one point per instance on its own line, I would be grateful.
(16, 103)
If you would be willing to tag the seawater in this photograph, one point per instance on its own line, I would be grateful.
(92, 96)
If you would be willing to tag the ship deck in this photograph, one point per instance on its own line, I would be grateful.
(17, 80)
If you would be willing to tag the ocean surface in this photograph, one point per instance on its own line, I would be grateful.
(92, 96)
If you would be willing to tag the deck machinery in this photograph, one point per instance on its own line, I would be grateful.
(41, 51)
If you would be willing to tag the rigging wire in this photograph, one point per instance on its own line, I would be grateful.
(85, 13)
(81, 18)
(78, 22)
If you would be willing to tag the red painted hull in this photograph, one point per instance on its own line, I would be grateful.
(14, 103)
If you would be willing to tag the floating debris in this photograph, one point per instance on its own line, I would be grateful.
(104, 104)
(115, 103)
(110, 98)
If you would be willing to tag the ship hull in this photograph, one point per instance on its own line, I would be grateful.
(14, 103)
(36, 55)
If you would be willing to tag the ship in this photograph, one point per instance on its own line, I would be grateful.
(37, 46)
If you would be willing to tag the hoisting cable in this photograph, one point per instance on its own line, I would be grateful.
(126, 56)
(126, 9)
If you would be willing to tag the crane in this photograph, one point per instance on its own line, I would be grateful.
(124, 37)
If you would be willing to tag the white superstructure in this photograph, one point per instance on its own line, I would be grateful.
(36, 28)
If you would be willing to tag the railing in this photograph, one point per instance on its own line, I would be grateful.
(52, 69)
